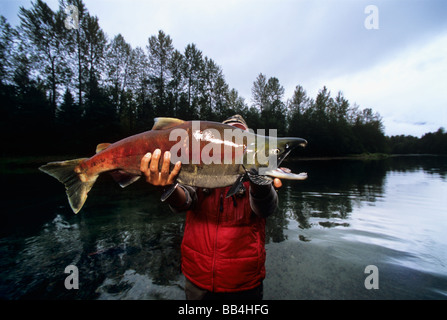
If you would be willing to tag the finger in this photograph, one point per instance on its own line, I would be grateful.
(165, 166)
(144, 164)
(153, 167)
(277, 183)
(175, 171)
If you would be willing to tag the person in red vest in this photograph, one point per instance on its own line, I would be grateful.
(223, 247)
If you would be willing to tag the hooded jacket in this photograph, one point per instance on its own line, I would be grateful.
(223, 247)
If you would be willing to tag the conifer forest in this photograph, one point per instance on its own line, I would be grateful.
(65, 90)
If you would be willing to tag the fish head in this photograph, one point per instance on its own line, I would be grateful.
(285, 145)
(269, 152)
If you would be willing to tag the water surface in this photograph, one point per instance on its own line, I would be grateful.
(349, 214)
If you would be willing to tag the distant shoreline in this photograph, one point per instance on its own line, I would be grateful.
(13, 164)
(362, 156)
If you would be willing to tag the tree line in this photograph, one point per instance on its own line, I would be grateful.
(65, 90)
(429, 143)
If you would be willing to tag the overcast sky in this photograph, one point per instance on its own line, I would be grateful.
(398, 70)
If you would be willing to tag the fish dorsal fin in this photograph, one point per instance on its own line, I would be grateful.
(102, 146)
(166, 123)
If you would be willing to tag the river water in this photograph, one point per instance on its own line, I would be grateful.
(329, 230)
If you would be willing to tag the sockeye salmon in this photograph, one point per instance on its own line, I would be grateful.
(213, 155)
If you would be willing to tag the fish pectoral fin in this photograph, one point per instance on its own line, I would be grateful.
(236, 186)
(102, 146)
(286, 174)
(166, 123)
(124, 178)
(249, 175)
(259, 179)
(168, 191)
(253, 176)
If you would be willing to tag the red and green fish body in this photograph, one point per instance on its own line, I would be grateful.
(212, 156)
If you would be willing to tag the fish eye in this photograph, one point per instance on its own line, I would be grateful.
(276, 151)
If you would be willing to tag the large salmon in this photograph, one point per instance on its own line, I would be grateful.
(213, 155)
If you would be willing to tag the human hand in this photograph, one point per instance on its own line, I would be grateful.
(277, 184)
(263, 190)
(149, 166)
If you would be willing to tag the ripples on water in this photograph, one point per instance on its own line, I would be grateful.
(347, 215)
(351, 214)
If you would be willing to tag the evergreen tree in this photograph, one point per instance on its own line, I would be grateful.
(98, 108)
(213, 90)
(259, 92)
(34, 114)
(68, 115)
(275, 112)
(76, 48)
(139, 82)
(160, 50)
(47, 68)
(8, 108)
(177, 84)
(434, 142)
(100, 116)
(267, 96)
(7, 37)
(118, 57)
(296, 108)
(43, 31)
(236, 104)
(192, 70)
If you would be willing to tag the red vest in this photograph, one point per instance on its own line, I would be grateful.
(223, 248)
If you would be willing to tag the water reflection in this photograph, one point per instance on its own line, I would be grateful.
(123, 242)
(126, 245)
(132, 242)
(329, 195)
(434, 165)
(351, 214)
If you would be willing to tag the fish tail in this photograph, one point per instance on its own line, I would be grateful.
(77, 184)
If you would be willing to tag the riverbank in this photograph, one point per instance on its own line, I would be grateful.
(11, 164)
(21, 164)
(362, 156)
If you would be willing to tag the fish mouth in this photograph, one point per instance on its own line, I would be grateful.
(286, 145)
(286, 174)
(270, 153)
